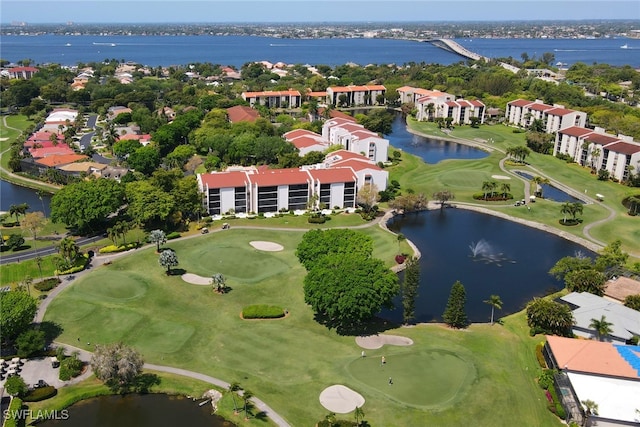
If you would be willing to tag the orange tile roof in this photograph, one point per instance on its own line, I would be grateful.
(333, 175)
(273, 177)
(622, 287)
(242, 113)
(225, 179)
(298, 133)
(575, 131)
(305, 142)
(356, 88)
(588, 356)
(60, 159)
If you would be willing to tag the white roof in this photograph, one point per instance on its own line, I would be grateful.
(617, 399)
(625, 321)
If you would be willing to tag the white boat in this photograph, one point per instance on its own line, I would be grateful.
(624, 46)
(68, 44)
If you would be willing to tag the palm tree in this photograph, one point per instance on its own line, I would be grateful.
(246, 398)
(68, 249)
(495, 302)
(590, 408)
(564, 210)
(233, 388)
(602, 327)
(634, 201)
(488, 187)
(505, 188)
(359, 414)
(537, 181)
(595, 155)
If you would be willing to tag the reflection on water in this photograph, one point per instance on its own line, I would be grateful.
(550, 192)
(489, 255)
(133, 410)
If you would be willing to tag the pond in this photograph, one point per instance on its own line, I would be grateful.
(430, 150)
(135, 410)
(487, 254)
(550, 192)
(11, 194)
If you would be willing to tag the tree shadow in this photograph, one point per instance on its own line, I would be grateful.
(261, 416)
(143, 382)
(52, 330)
(176, 272)
(373, 326)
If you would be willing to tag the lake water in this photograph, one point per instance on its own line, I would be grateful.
(148, 410)
(430, 150)
(11, 194)
(488, 255)
(238, 50)
(550, 192)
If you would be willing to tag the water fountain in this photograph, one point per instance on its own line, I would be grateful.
(483, 251)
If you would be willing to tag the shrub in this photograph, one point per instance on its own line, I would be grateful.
(540, 356)
(557, 404)
(173, 235)
(261, 311)
(42, 393)
(47, 284)
(400, 259)
(545, 380)
(113, 248)
(316, 219)
(70, 367)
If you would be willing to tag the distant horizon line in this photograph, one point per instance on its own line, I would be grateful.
(71, 23)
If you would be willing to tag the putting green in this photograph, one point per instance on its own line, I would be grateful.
(431, 379)
(116, 286)
(468, 178)
(160, 335)
(239, 262)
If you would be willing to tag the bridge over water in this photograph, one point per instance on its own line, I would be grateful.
(452, 46)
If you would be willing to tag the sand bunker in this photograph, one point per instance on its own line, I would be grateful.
(266, 246)
(500, 177)
(340, 399)
(372, 342)
(194, 279)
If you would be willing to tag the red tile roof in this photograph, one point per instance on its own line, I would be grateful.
(540, 107)
(335, 114)
(271, 93)
(520, 103)
(576, 131)
(560, 111)
(37, 153)
(624, 148)
(225, 179)
(333, 175)
(273, 177)
(363, 88)
(242, 113)
(317, 94)
(60, 159)
(599, 138)
(299, 132)
(595, 357)
(357, 164)
(305, 142)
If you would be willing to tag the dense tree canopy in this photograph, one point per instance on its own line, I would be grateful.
(316, 244)
(349, 289)
(588, 280)
(17, 309)
(84, 205)
(549, 317)
(116, 365)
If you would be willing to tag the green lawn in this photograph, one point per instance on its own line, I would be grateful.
(288, 362)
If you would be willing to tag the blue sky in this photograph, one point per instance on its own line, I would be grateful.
(220, 11)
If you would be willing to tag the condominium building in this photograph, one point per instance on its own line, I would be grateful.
(274, 99)
(354, 96)
(522, 112)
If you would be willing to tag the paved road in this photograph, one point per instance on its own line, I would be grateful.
(33, 253)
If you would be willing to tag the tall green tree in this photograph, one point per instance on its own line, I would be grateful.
(410, 286)
(495, 302)
(587, 280)
(454, 314)
(348, 289)
(68, 249)
(17, 309)
(233, 388)
(359, 414)
(85, 205)
(316, 244)
(601, 326)
(158, 237)
(549, 317)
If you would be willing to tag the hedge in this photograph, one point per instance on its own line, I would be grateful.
(316, 219)
(121, 248)
(42, 393)
(540, 356)
(80, 264)
(261, 311)
(47, 284)
(173, 235)
(557, 404)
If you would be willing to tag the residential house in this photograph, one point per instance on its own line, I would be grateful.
(24, 73)
(53, 150)
(619, 288)
(274, 99)
(356, 138)
(605, 373)
(354, 96)
(242, 113)
(59, 119)
(144, 139)
(366, 170)
(81, 169)
(461, 111)
(112, 172)
(625, 322)
(599, 150)
(306, 141)
(113, 112)
(522, 112)
(43, 139)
